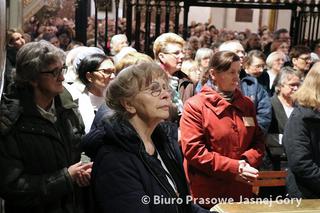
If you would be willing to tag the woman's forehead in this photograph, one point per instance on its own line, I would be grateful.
(173, 47)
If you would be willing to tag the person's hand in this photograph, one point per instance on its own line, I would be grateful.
(247, 172)
(84, 175)
(81, 173)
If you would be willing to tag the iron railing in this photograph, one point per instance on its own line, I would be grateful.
(147, 19)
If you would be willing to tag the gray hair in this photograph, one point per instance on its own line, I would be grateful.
(116, 39)
(35, 57)
(272, 57)
(129, 82)
(230, 45)
(202, 53)
(283, 76)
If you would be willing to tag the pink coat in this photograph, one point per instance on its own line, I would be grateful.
(215, 135)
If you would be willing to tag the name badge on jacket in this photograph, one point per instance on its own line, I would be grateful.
(248, 121)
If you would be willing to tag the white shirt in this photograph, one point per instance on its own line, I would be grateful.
(50, 114)
(96, 101)
(288, 110)
(272, 76)
(87, 102)
(168, 175)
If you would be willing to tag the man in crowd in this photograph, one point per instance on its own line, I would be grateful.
(301, 59)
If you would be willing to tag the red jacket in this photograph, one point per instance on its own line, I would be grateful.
(215, 135)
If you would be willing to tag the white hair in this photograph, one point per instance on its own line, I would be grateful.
(229, 45)
(123, 52)
(117, 39)
(272, 57)
(202, 53)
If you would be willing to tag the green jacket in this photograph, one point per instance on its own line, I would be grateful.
(35, 154)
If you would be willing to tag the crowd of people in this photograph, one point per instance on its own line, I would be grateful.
(89, 130)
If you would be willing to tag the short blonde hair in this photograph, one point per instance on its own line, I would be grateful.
(308, 95)
(132, 58)
(163, 40)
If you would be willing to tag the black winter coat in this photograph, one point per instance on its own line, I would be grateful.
(9, 73)
(302, 144)
(124, 175)
(35, 154)
(275, 150)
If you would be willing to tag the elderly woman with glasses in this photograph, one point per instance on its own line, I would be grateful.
(168, 51)
(221, 142)
(286, 84)
(40, 131)
(135, 164)
(95, 72)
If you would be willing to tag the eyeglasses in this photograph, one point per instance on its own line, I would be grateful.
(106, 72)
(156, 88)
(293, 86)
(57, 71)
(176, 53)
(306, 59)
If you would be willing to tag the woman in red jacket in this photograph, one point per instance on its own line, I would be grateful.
(221, 141)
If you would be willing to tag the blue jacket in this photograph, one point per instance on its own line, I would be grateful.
(259, 96)
(103, 113)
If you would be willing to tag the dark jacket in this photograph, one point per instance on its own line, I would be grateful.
(35, 154)
(123, 173)
(275, 150)
(264, 81)
(185, 87)
(102, 114)
(259, 96)
(9, 73)
(302, 144)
